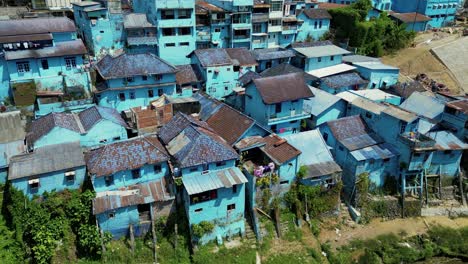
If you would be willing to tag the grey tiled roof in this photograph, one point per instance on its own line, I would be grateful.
(66, 48)
(36, 26)
(213, 57)
(282, 88)
(93, 115)
(45, 124)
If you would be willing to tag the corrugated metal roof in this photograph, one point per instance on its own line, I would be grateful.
(321, 51)
(405, 90)
(374, 94)
(282, 88)
(272, 53)
(126, 155)
(286, 68)
(353, 132)
(188, 74)
(320, 102)
(250, 143)
(214, 180)
(127, 65)
(460, 105)
(348, 96)
(400, 113)
(213, 57)
(278, 149)
(344, 80)
(242, 57)
(93, 115)
(208, 106)
(311, 44)
(368, 105)
(12, 127)
(248, 77)
(358, 58)
(316, 13)
(66, 48)
(376, 152)
(36, 26)
(143, 193)
(10, 149)
(375, 65)
(85, 3)
(314, 153)
(208, 7)
(21, 38)
(229, 123)
(46, 159)
(410, 17)
(332, 70)
(424, 105)
(446, 140)
(178, 123)
(136, 20)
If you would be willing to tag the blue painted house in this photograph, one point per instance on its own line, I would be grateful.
(286, 68)
(41, 54)
(455, 117)
(176, 27)
(341, 82)
(378, 74)
(318, 55)
(425, 104)
(140, 34)
(49, 168)
(11, 140)
(271, 57)
(358, 149)
(100, 25)
(272, 157)
(375, 95)
(414, 21)
(92, 127)
(132, 80)
(323, 107)
(213, 187)
(213, 23)
(277, 102)
(440, 12)
(132, 183)
(447, 157)
(46, 105)
(316, 24)
(316, 156)
(260, 21)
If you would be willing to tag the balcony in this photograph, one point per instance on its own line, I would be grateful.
(165, 4)
(203, 36)
(275, 119)
(171, 23)
(259, 18)
(221, 21)
(272, 28)
(136, 41)
(417, 141)
(289, 30)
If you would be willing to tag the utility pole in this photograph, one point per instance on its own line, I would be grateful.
(416, 14)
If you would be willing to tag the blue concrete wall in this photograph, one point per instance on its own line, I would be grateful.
(119, 224)
(446, 163)
(440, 15)
(102, 133)
(51, 181)
(458, 121)
(124, 178)
(379, 78)
(334, 112)
(311, 28)
(322, 62)
(57, 135)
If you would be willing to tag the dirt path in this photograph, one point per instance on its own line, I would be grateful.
(409, 226)
(419, 59)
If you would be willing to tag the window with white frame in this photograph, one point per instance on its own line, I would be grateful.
(23, 66)
(70, 176)
(70, 63)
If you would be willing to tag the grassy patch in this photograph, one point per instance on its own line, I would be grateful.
(24, 93)
(239, 255)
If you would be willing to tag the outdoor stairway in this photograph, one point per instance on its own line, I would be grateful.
(249, 233)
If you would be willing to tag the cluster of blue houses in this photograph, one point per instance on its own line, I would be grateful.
(205, 104)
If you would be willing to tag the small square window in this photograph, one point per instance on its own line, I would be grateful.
(109, 180)
(234, 189)
(220, 164)
(129, 79)
(136, 174)
(111, 215)
(157, 168)
(34, 184)
(332, 58)
(45, 64)
(70, 176)
(144, 77)
(368, 115)
(150, 93)
(170, 44)
(319, 59)
(184, 44)
(341, 148)
(231, 207)
(158, 77)
(132, 94)
(122, 96)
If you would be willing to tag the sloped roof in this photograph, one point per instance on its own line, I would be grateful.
(143, 193)
(446, 140)
(12, 127)
(127, 65)
(424, 105)
(353, 132)
(241, 57)
(410, 17)
(45, 124)
(286, 68)
(196, 145)
(376, 152)
(316, 13)
(358, 58)
(405, 90)
(375, 65)
(248, 77)
(208, 6)
(321, 51)
(400, 113)
(36, 26)
(343, 80)
(332, 70)
(282, 88)
(330, 5)
(93, 115)
(213, 57)
(46, 159)
(229, 123)
(278, 149)
(125, 155)
(459, 105)
(187, 74)
(320, 102)
(66, 48)
(208, 106)
(177, 124)
(311, 44)
(136, 20)
(214, 180)
(272, 53)
(314, 153)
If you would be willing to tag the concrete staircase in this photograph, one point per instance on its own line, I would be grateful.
(249, 233)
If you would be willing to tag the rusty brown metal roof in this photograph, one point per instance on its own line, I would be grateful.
(460, 105)
(229, 123)
(278, 149)
(282, 88)
(410, 17)
(144, 193)
(328, 6)
(36, 26)
(242, 57)
(66, 48)
(20, 38)
(208, 7)
(126, 155)
(212, 57)
(316, 13)
(188, 74)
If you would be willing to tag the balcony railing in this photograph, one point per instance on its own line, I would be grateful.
(259, 18)
(274, 119)
(417, 140)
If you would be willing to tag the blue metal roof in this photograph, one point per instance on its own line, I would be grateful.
(343, 80)
(353, 132)
(447, 141)
(424, 105)
(376, 152)
(320, 102)
(214, 180)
